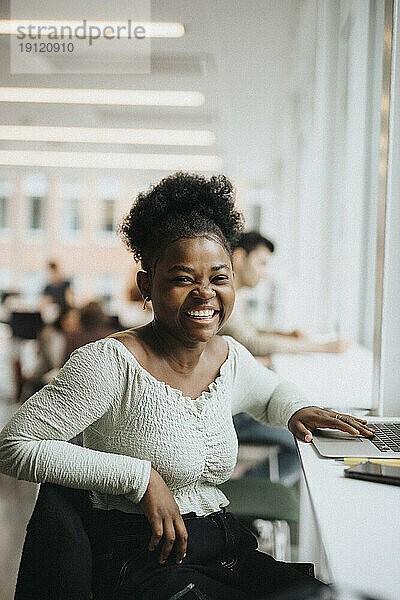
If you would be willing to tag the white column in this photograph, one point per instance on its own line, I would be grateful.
(390, 343)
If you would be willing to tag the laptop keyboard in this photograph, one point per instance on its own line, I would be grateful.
(387, 436)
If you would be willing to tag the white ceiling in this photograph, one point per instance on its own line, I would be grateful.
(239, 54)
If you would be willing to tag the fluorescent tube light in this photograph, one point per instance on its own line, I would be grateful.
(153, 30)
(111, 160)
(92, 135)
(101, 96)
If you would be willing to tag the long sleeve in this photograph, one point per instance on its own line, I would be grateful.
(263, 394)
(34, 444)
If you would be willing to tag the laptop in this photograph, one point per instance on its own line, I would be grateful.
(332, 443)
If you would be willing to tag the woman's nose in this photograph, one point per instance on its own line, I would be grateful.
(204, 291)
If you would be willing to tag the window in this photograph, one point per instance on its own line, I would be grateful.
(35, 189)
(108, 193)
(3, 212)
(108, 217)
(387, 314)
(72, 216)
(4, 204)
(71, 201)
(321, 202)
(36, 213)
(108, 287)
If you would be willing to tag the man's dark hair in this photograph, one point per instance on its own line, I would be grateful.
(251, 239)
(183, 205)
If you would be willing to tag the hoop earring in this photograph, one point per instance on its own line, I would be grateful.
(147, 299)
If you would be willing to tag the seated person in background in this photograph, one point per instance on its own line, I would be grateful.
(51, 351)
(58, 290)
(250, 259)
(94, 324)
(73, 328)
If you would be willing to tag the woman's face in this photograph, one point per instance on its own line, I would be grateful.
(192, 289)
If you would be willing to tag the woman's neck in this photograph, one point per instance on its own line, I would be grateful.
(181, 356)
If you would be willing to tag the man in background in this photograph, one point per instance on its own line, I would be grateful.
(58, 291)
(250, 260)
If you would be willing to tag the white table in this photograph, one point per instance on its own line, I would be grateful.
(349, 529)
(331, 380)
(352, 533)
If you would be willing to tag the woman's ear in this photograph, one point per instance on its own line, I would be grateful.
(144, 284)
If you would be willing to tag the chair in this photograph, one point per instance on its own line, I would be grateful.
(272, 448)
(267, 507)
(254, 453)
(26, 325)
(56, 561)
(258, 498)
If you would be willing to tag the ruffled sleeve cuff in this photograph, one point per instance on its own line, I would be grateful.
(140, 479)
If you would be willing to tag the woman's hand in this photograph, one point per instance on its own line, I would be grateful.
(306, 419)
(165, 519)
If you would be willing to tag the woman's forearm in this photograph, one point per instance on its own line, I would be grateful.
(58, 461)
(34, 444)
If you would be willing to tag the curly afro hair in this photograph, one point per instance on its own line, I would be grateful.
(182, 205)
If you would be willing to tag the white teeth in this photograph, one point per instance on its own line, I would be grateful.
(201, 313)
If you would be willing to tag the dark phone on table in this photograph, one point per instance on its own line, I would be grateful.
(373, 472)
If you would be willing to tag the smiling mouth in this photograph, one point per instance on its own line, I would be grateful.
(202, 315)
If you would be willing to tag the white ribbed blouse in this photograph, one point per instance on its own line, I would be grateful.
(130, 421)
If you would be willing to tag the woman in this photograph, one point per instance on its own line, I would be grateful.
(93, 325)
(156, 404)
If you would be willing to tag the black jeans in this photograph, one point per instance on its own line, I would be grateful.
(222, 561)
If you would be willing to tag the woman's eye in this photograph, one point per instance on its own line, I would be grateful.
(183, 279)
(187, 279)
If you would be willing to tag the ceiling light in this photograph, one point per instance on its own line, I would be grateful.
(153, 30)
(111, 160)
(101, 96)
(91, 135)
